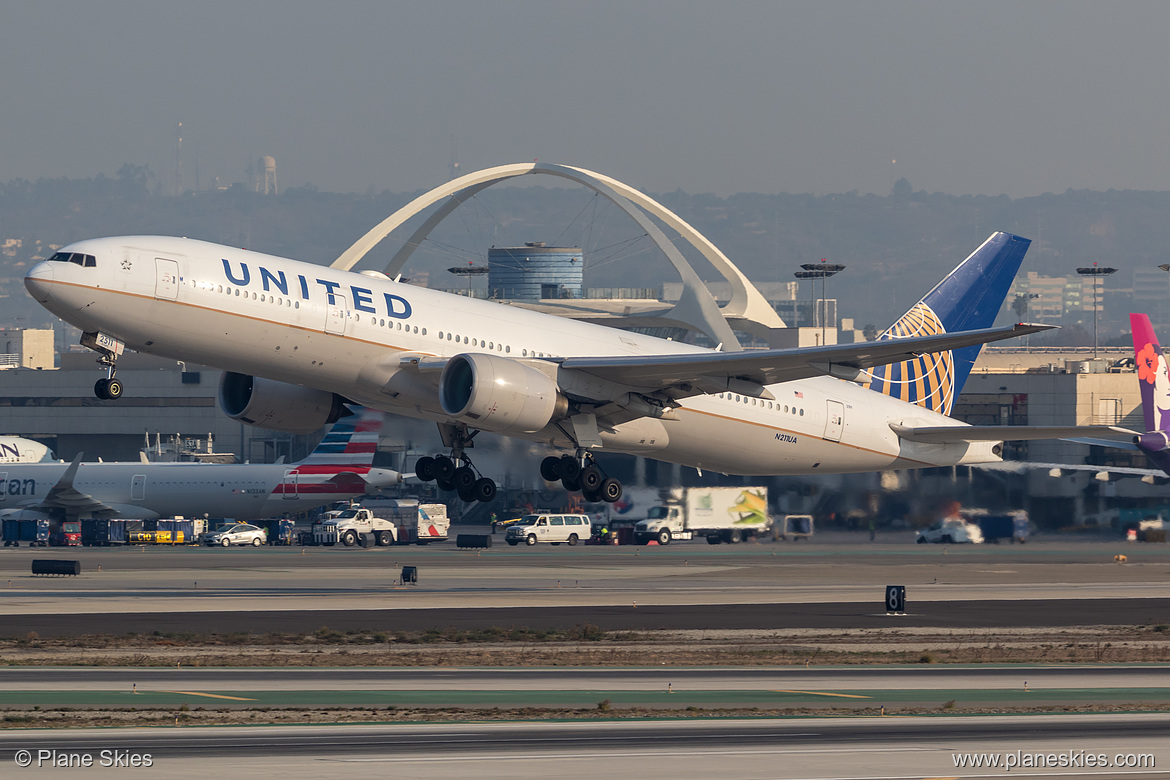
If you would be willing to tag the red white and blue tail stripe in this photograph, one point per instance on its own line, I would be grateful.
(342, 463)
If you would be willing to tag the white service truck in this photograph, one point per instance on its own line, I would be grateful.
(719, 514)
(416, 523)
(348, 526)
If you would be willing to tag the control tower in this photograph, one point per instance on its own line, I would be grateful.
(535, 272)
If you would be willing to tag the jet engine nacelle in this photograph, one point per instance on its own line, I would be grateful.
(1154, 441)
(499, 394)
(277, 405)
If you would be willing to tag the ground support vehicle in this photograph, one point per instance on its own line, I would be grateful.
(65, 534)
(794, 527)
(348, 525)
(551, 528)
(951, 530)
(718, 514)
(32, 532)
(1014, 527)
(414, 523)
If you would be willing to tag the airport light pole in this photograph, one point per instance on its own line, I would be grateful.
(1096, 273)
(468, 271)
(822, 270)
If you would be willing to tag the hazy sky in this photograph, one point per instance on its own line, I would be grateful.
(983, 97)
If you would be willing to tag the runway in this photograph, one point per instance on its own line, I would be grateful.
(683, 750)
(832, 585)
(1025, 613)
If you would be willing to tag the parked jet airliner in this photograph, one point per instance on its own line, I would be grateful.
(295, 339)
(14, 449)
(338, 469)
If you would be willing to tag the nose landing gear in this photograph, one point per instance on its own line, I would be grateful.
(581, 472)
(108, 349)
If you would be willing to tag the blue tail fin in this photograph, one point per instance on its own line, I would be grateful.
(967, 299)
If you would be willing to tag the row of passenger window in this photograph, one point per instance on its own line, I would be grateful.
(380, 322)
(747, 399)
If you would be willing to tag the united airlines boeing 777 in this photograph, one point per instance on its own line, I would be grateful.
(296, 339)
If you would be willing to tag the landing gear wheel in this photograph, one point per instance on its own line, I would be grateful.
(113, 388)
(467, 496)
(424, 468)
(464, 479)
(569, 468)
(99, 389)
(484, 490)
(550, 469)
(590, 496)
(444, 468)
(591, 478)
(611, 490)
(444, 484)
(571, 485)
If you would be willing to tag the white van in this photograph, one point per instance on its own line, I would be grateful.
(549, 528)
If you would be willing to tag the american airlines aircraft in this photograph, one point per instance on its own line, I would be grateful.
(297, 339)
(338, 469)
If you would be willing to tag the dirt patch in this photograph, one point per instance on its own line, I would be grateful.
(79, 718)
(590, 646)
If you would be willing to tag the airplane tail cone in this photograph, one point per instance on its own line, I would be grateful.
(969, 298)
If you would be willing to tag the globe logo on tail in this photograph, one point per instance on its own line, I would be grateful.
(928, 380)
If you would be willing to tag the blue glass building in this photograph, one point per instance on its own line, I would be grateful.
(535, 272)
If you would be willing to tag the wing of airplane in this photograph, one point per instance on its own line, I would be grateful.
(64, 496)
(947, 434)
(713, 372)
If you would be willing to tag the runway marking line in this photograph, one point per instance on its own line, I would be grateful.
(819, 693)
(210, 695)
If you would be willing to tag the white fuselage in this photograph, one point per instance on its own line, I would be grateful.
(346, 332)
(154, 490)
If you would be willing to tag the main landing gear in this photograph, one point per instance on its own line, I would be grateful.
(455, 472)
(581, 472)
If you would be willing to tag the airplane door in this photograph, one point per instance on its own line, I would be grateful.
(166, 279)
(834, 421)
(290, 484)
(138, 488)
(336, 315)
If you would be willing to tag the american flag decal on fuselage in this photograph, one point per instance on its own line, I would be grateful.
(928, 380)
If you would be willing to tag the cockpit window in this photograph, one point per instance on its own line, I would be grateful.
(85, 261)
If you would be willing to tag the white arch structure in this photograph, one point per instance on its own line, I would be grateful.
(696, 307)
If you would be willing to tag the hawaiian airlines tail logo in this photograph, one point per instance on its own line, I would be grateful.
(928, 380)
(1155, 384)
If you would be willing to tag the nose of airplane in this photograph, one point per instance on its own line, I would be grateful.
(39, 282)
